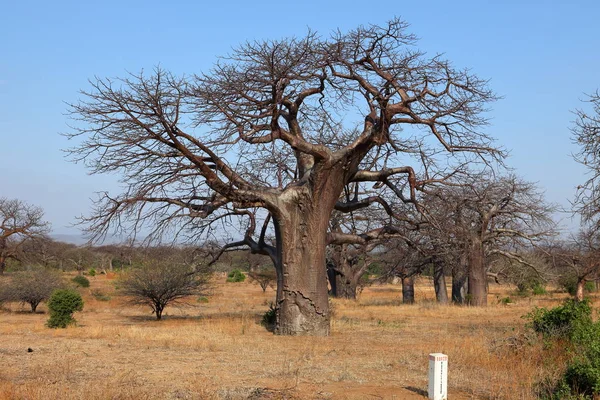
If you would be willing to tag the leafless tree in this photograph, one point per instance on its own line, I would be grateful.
(158, 284)
(586, 134)
(264, 275)
(19, 222)
(579, 258)
(487, 216)
(31, 287)
(270, 137)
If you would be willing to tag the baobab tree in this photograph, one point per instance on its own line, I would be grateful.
(484, 216)
(19, 222)
(586, 134)
(270, 137)
(579, 258)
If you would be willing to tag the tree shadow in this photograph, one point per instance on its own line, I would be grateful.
(417, 390)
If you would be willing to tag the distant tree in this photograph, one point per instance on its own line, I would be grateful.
(586, 134)
(81, 258)
(159, 284)
(264, 275)
(578, 258)
(32, 287)
(484, 217)
(19, 222)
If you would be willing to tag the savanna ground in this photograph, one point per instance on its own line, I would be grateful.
(218, 350)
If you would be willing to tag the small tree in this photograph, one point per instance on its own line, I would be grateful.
(32, 287)
(265, 276)
(19, 223)
(62, 304)
(159, 284)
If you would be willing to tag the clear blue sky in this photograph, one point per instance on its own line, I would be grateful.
(541, 56)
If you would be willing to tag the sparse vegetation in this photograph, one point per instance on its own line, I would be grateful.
(350, 362)
(81, 281)
(235, 276)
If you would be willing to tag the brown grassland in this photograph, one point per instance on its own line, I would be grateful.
(218, 350)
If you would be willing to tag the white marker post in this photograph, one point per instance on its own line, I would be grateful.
(438, 376)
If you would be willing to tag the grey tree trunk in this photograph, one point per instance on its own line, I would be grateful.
(343, 277)
(408, 290)
(477, 274)
(459, 282)
(302, 301)
(439, 283)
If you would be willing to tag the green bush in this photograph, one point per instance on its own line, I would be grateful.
(269, 318)
(589, 287)
(584, 377)
(572, 321)
(570, 285)
(100, 295)
(506, 300)
(92, 272)
(538, 289)
(62, 304)
(236, 276)
(561, 321)
(82, 281)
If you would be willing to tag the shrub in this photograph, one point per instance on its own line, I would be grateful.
(264, 276)
(572, 321)
(236, 276)
(506, 300)
(561, 321)
(160, 284)
(32, 287)
(62, 304)
(584, 377)
(82, 281)
(100, 295)
(539, 289)
(570, 285)
(589, 287)
(270, 317)
(92, 272)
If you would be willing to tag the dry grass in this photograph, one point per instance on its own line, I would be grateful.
(218, 350)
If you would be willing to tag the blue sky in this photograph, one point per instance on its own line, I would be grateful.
(541, 56)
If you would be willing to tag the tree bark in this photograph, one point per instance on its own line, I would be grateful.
(408, 290)
(439, 283)
(302, 301)
(579, 291)
(477, 274)
(459, 283)
(342, 278)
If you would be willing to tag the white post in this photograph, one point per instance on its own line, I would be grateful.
(438, 376)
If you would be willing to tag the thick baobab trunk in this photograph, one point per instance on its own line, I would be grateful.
(302, 301)
(459, 283)
(343, 286)
(477, 274)
(342, 276)
(408, 290)
(439, 283)
(579, 291)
